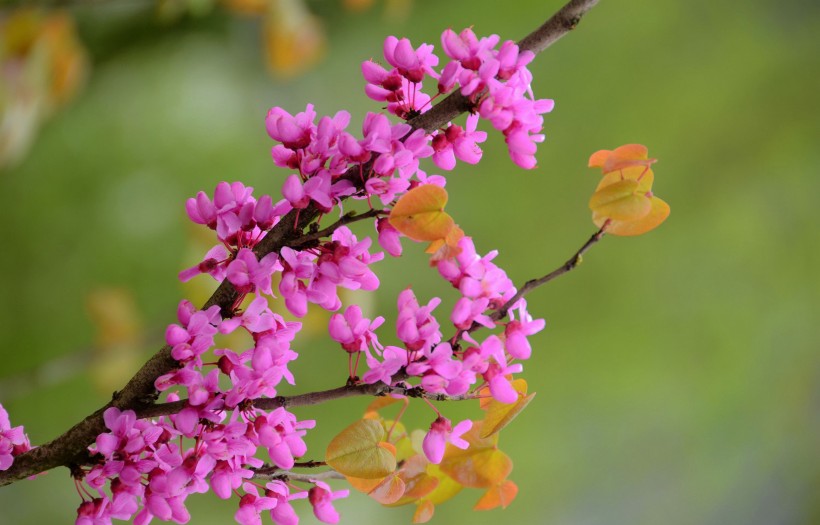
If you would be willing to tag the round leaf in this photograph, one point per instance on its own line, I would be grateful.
(419, 214)
(360, 451)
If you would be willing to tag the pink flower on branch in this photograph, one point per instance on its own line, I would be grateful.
(441, 432)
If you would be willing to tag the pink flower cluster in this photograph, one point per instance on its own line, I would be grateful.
(146, 468)
(483, 287)
(495, 79)
(13, 441)
(151, 474)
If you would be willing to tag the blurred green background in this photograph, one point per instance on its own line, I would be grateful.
(678, 378)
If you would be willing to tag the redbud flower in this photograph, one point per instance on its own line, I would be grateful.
(442, 433)
(13, 441)
(354, 331)
(321, 497)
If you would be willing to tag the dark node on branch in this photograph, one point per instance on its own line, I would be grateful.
(309, 464)
(148, 399)
(572, 23)
(416, 391)
(76, 471)
(352, 381)
(281, 401)
(207, 424)
(245, 405)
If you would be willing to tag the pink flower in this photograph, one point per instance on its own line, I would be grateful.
(393, 359)
(316, 188)
(321, 497)
(415, 325)
(354, 331)
(294, 132)
(517, 331)
(214, 264)
(252, 504)
(283, 513)
(496, 374)
(442, 433)
(281, 434)
(389, 237)
(412, 64)
(13, 441)
(247, 273)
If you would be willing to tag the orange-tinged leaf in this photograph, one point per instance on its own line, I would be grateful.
(424, 512)
(447, 488)
(620, 201)
(658, 213)
(499, 415)
(499, 495)
(364, 485)
(446, 248)
(360, 451)
(419, 214)
(481, 469)
(386, 490)
(418, 483)
(626, 156)
(597, 159)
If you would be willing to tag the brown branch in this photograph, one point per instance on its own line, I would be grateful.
(350, 217)
(139, 392)
(277, 473)
(559, 24)
(311, 398)
(532, 284)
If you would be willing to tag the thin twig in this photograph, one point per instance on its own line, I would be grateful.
(532, 284)
(139, 391)
(347, 218)
(277, 473)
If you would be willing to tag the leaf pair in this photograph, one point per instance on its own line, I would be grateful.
(623, 203)
(419, 214)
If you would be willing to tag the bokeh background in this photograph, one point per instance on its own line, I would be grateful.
(678, 379)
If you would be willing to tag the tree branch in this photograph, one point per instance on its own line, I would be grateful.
(532, 284)
(310, 398)
(139, 393)
(271, 472)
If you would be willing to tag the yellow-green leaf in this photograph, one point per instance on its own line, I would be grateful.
(644, 176)
(419, 214)
(360, 451)
(481, 469)
(620, 201)
(447, 487)
(658, 213)
(499, 415)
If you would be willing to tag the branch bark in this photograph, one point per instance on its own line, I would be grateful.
(139, 393)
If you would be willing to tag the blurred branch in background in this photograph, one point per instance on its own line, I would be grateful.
(44, 63)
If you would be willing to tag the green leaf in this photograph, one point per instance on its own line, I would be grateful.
(360, 451)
